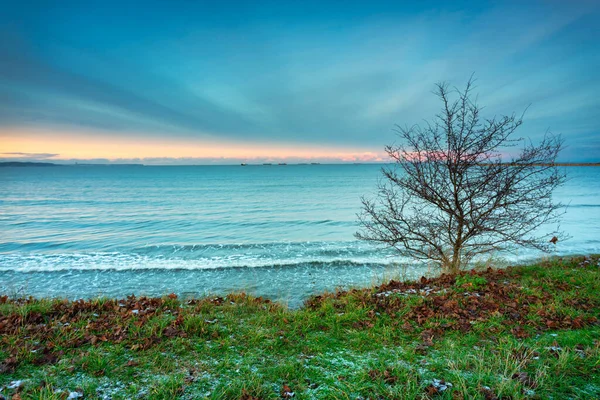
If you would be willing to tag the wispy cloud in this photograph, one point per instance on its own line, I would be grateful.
(346, 159)
(39, 156)
(302, 76)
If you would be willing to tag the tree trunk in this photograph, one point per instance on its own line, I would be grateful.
(455, 265)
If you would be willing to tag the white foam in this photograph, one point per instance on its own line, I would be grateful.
(123, 261)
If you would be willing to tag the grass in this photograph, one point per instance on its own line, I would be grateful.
(524, 332)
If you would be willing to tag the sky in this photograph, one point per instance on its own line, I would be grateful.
(194, 82)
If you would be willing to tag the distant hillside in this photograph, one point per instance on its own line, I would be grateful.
(577, 164)
(559, 164)
(569, 164)
(105, 165)
(27, 164)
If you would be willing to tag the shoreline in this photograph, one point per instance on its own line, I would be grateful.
(410, 339)
(289, 285)
(243, 164)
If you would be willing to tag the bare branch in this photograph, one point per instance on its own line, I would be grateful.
(453, 195)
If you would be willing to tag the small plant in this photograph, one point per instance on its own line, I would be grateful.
(461, 187)
(470, 282)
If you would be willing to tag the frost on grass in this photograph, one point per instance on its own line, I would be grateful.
(440, 385)
(15, 385)
(334, 367)
(590, 391)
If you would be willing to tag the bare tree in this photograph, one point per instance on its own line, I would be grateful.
(453, 194)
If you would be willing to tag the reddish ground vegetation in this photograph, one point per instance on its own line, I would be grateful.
(443, 305)
(41, 332)
(72, 324)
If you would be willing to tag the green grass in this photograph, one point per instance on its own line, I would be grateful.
(526, 332)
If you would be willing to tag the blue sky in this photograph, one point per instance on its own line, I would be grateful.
(185, 81)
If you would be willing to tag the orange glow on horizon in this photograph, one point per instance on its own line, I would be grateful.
(77, 146)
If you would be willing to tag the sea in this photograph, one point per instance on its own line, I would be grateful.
(284, 232)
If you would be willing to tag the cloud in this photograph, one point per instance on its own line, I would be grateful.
(59, 95)
(39, 156)
(344, 159)
(281, 74)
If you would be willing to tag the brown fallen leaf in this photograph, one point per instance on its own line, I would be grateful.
(247, 396)
(8, 365)
(488, 394)
(431, 390)
(286, 392)
(525, 379)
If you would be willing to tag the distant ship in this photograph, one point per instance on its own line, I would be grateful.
(267, 164)
(315, 163)
(282, 163)
(243, 164)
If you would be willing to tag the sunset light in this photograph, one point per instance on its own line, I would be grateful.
(316, 199)
(19, 144)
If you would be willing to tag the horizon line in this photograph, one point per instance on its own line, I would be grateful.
(274, 164)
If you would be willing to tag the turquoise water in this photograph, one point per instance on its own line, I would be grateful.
(279, 231)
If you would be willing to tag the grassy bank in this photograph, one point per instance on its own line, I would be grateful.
(524, 332)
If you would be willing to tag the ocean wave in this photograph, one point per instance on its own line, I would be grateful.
(188, 267)
(352, 247)
(197, 257)
(230, 256)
